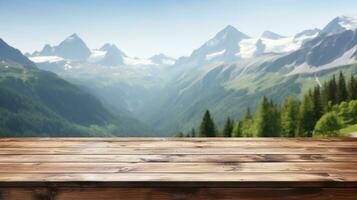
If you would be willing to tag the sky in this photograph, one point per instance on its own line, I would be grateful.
(147, 27)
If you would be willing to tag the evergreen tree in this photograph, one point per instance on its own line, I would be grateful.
(193, 132)
(317, 107)
(306, 123)
(180, 134)
(352, 88)
(267, 121)
(228, 128)
(289, 116)
(248, 114)
(237, 130)
(342, 94)
(329, 93)
(207, 127)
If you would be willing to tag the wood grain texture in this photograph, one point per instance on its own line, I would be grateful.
(178, 193)
(178, 168)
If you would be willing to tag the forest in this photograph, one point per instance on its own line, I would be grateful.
(322, 111)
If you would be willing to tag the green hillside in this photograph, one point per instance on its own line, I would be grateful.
(39, 103)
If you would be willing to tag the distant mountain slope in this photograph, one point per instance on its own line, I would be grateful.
(225, 74)
(10, 54)
(39, 103)
(227, 88)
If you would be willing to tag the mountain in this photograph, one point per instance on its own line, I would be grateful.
(47, 51)
(271, 35)
(162, 59)
(225, 74)
(321, 53)
(72, 48)
(10, 54)
(223, 46)
(308, 33)
(340, 24)
(113, 56)
(39, 103)
(275, 68)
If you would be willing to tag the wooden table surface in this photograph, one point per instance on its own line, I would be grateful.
(178, 168)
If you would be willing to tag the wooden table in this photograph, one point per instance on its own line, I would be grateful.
(178, 168)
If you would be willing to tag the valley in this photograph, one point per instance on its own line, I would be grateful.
(227, 74)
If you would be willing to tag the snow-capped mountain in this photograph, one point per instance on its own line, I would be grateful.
(231, 45)
(47, 51)
(223, 46)
(74, 52)
(162, 59)
(113, 56)
(73, 48)
(271, 35)
(340, 24)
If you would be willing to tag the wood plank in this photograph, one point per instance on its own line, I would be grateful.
(173, 144)
(204, 139)
(179, 193)
(318, 167)
(176, 158)
(188, 150)
(227, 179)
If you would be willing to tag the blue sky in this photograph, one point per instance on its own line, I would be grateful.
(146, 27)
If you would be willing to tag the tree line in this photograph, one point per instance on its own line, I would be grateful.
(322, 111)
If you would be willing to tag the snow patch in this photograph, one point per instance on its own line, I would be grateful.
(348, 22)
(67, 66)
(280, 45)
(247, 48)
(168, 62)
(215, 54)
(96, 55)
(318, 81)
(43, 59)
(137, 61)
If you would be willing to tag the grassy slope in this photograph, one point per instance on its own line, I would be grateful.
(349, 130)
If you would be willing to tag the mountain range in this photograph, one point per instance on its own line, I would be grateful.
(35, 102)
(226, 74)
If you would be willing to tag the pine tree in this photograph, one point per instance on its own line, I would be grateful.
(317, 107)
(352, 88)
(237, 130)
(228, 128)
(342, 94)
(306, 124)
(193, 132)
(267, 120)
(289, 116)
(328, 94)
(180, 134)
(207, 128)
(248, 114)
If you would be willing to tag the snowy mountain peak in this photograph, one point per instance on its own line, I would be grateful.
(112, 49)
(271, 35)
(162, 59)
(73, 48)
(47, 50)
(74, 36)
(230, 32)
(340, 24)
(223, 46)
